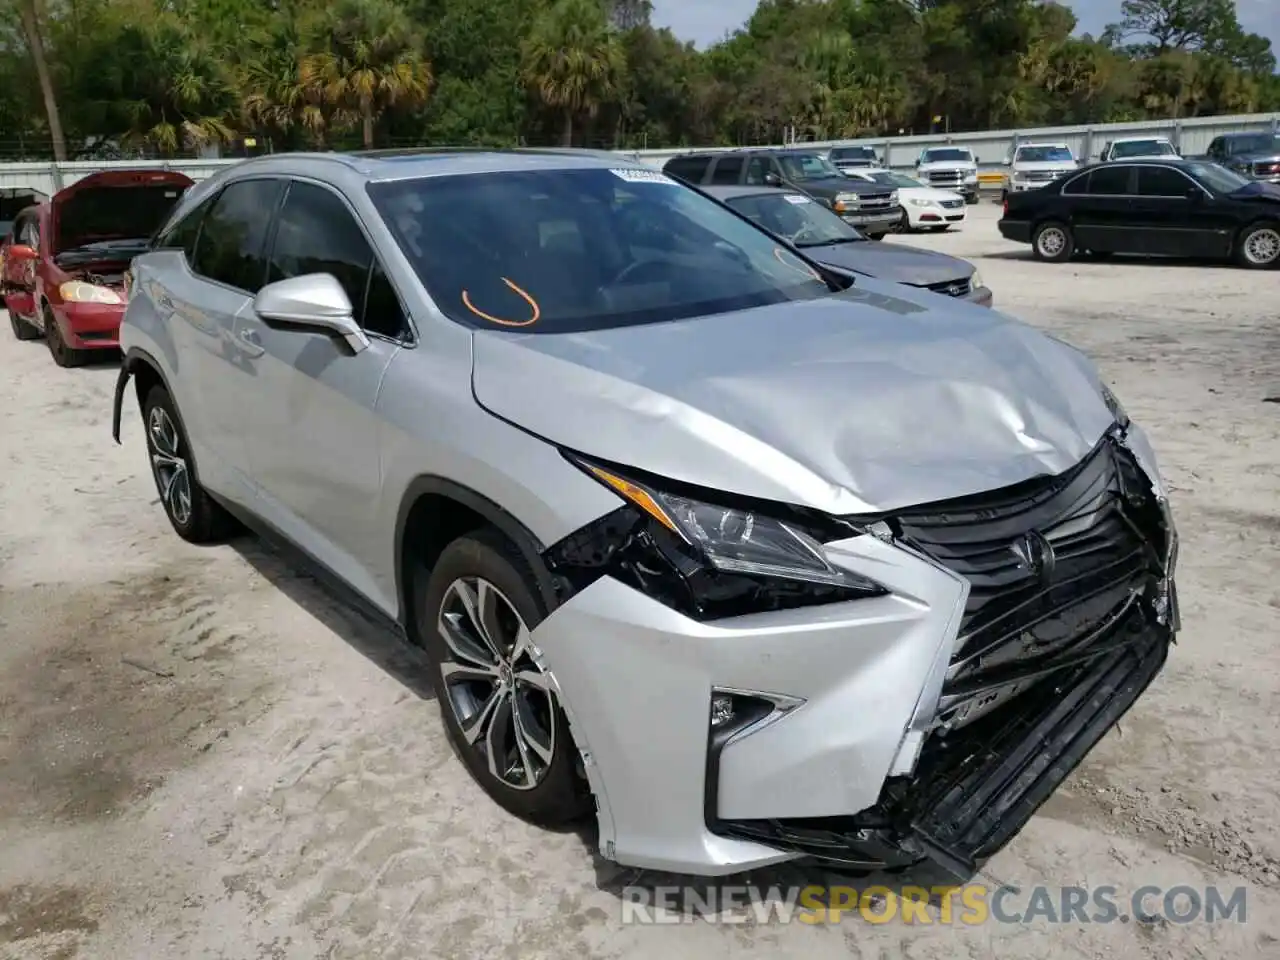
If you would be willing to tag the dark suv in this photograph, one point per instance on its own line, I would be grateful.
(871, 207)
(1255, 155)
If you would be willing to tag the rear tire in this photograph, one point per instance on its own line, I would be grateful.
(499, 709)
(1258, 247)
(21, 329)
(195, 516)
(1052, 242)
(63, 355)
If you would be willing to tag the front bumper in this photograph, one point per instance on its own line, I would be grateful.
(1018, 231)
(91, 326)
(909, 727)
(875, 224)
(934, 216)
(982, 296)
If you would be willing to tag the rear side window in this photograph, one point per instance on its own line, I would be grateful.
(317, 233)
(182, 234)
(728, 170)
(1109, 181)
(688, 169)
(231, 247)
(756, 170)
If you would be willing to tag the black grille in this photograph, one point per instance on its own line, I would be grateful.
(945, 176)
(1106, 536)
(952, 288)
(952, 204)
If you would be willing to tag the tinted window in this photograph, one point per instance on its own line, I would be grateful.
(946, 153)
(232, 241)
(1037, 154)
(799, 167)
(182, 235)
(643, 249)
(1162, 182)
(1142, 148)
(756, 170)
(1217, 177)
(1109, 181)
(317, 233)
(727, 170)
(853, 153)
(688, 168)
(798, 218)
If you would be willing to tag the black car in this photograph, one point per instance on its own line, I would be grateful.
(871, 207)
(1256, 155)
(829, 240)
(1169, 208)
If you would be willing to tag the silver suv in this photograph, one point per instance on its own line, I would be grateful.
(754, 562)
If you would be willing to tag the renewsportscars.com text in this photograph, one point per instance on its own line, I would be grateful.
(973, 904)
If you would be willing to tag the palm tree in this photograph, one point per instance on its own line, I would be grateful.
(366, 57)
(35, 43)
(572, 62)
(273, 99)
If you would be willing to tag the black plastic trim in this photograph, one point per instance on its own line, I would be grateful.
(528, 544)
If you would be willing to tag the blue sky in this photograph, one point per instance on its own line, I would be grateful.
(705, 21)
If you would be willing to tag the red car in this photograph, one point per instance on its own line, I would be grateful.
(63, 263)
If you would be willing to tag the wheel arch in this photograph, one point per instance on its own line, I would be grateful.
(147, 374)
(434, 511)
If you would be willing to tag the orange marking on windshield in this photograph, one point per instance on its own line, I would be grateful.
(533, 305)
(801, 268)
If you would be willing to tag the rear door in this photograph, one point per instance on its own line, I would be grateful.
(312, 435)
(1101, 209)
(19, 278)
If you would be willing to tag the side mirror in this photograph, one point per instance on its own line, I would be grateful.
(21, 253)
(314, 303)
(1195, 194)
(771, 179)
(1006, 162)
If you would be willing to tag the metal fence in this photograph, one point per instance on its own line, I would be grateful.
(1190, 137)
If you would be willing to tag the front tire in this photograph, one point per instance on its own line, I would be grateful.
(1053, 242)
(195, 516)
(63, 355)
(21, 329)
(1259, 246)
(499, 708)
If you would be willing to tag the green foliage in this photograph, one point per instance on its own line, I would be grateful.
(164, 77)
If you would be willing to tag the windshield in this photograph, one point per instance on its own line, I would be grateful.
(895, 179)
(562, 251)
(1217, 178)
(949, 153)
(807, 166)
(1043, 155)
(797, 218)
(1142, 148)
(1258, 143)
(853, 153)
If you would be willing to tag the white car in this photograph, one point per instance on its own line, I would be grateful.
(923, 207)
(950, 168)
(1138, 148)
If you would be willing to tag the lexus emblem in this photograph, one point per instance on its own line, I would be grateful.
(955, 289)
(1035, 554)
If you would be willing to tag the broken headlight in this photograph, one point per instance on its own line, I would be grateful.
(706, 559)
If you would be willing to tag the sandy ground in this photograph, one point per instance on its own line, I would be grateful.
(202, 755)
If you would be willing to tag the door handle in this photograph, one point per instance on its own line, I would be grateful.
(250, 342)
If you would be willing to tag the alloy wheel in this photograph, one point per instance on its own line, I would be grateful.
(499, 695)
(1262, 247)
(1052, 241)
(173, 477)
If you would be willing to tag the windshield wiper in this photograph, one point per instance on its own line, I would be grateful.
(829, 243)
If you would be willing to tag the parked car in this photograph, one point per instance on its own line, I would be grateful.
(64, 261)
(13, 200)
(1137, 148)
(869, 207)
(1173, 208)
(811, 227)
(950, 168)
(1032, 165)
(750, 560)
(923, 207)
(853, 158)
(1255, 155)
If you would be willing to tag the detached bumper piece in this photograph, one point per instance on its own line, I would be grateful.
(1061, 635)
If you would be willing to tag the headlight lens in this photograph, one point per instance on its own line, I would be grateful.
(975, 280)
(846, 198)
(893, 196)
(77, 291)
(917, 202)
(706, 560)
(1114, 405)
(971, 177)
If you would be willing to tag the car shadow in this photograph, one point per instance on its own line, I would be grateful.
(1125, 260)
(293, 576)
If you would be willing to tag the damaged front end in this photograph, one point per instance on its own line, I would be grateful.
(1070, 615)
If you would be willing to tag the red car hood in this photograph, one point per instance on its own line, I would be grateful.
(114, 205)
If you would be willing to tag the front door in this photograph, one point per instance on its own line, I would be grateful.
(20, 276)
(1166, 214)
(313, 437)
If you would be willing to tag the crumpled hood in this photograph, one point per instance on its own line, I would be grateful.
(893, 261)
(869, 400)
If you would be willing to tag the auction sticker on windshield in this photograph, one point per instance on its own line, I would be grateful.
(632, 175)
(794, 198)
